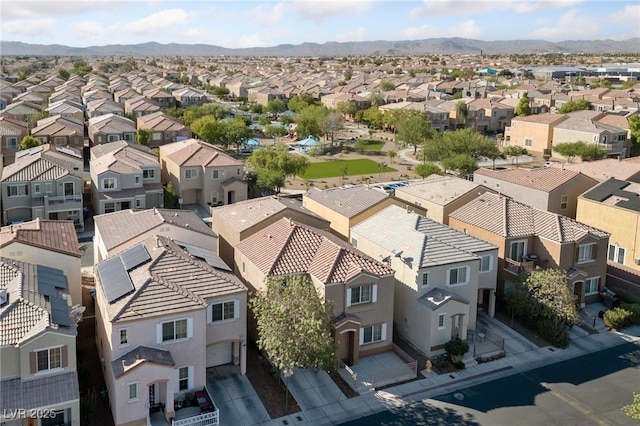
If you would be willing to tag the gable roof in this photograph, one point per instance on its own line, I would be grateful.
(440, 190)
(55, 235)
(601, 170)
(346, 201)
(124, 160)
(544, 179)
(138, 356)
(437, 297)
(194, 152)
(287, 247)
(508, 218)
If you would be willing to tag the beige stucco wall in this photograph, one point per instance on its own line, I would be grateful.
(47, 340)
(541, 135)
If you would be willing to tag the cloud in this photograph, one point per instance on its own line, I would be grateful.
(465, 29)
(358, 34)
(430, 8)
(534, 6)
(321, 11)
(570, 26)
(49, 8)
(27, 27)
(92, 30)
(628, 15)
(264, 15)
(159, 22)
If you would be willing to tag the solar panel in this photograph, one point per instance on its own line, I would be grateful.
(115, 279)
(60, 311)
(50, 277)
(207, 255)
(135, 256)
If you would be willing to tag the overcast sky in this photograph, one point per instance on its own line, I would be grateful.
(241, 23)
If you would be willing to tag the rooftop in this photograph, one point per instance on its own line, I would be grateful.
(544, 179)
(440, 190)
(347, 201)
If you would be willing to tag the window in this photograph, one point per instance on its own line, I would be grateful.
(12, 143)
(124, 336)
(190, 173)
(457, 276)
(109, 207)
(214, 197)
(48, 187)
(109, 183)
(133, 391)
(518, 250)
(486, 263)
(373, 333)
(113, 138)
(362, 294)
(616, 253)
(36, 188)
(425, 279)
(183, 378)
(137, 179)
(217, 174)
(564, 202)
(224, 311)
(17, 190)
(129, 137)
(157, 136)
(174, 330)
(441, 321)
(592, 285)
(138, 203)
(586, 252)
(354, 242)
(48, 359)
(528, 142)
(148, 174)
(59, 140)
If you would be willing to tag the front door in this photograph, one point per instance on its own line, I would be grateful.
(68, 189)
(231, 195)
(152, 395)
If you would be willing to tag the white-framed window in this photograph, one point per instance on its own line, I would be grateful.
(517, 250)
(564, 202)
(124, 336)
(48, 187)
(358, 295)
(157, 136)
(442, 321)
(486, 263)
(224, 311)
(49, 359)
(137, 179)
(17, 190)
(217, 174)
(11, 142)
(373, 333)
(138, 203)
(113, 138)
(170, 331)
(457, 276)
(109, 207)
(132, 391)
(214, 197)
(528, 142)
(191, 173)
(586, 252)
(109, 183)
(425, 279)
(148, 174)
(129, 137)
(591, 285)
(37, 188)
(616, 253)
(183, 378)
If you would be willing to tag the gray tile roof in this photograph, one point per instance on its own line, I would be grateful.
(436, 189)
(438, 297)
(347, 202)
(544, 179)
(138, 356)
(44, 392)
(42, 163)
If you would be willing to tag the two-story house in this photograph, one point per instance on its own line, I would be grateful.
(125, 178)
(60, 131)
(533, 132)
(45, 182)
(202, 174)
(359, 287)
(110, 128)
(11, 134)
(186, 97)
(37, 347)
(163, 316)
(443, 276)
(528, 238)
(164, 129)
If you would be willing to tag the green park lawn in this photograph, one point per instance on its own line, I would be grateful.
(331, 168)
(374, 146)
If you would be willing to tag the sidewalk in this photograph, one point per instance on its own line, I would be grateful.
(343, 410)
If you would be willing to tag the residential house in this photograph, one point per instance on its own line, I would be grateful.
(601, 170)
(99, 107)
(67, 109)
(20, 110)
(38, 378)
(359, 287)
(264, 95)
(614, 207)
(334, 99)
(164, 129)
(235, 222)
(497, 116)
(45, 182)
(125, 178)
(181, 225)
(443, 276)
(60, 131)
(552, 189)
(161, 97)
(49, 243)
(533, 132)
(163, 316)
(440, 195)
(186, 97)
(33, 98)
(11, 134)
(110, 128)
(137, 107)
(202, 174)
(528, 238)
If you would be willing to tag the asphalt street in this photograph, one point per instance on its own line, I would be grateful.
(587, 390)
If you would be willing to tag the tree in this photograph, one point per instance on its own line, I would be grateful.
(524, 107)
(376, 99)
(32, 120)
(633, 410)
(514, 151)
(278, 158)
(382, 166)
(374, 117)
(572, 106)
(143, 136)
(386, 86)
(332, 124)
(294, 324)
(427, 169)
(517, 300)
(360, 145)
(64, 74)
(300, 102)
(272, 131)
(391, 154)
(347, 108)
(414, 128)
(461, 163)
(29, 142)
(257, 109)
(551, 296)
(462, 112)
(170, 196)
(310, 121)
(634, 131)
(235, 132)
(347, 74)
(276, 106)
(208, 129)
(586, 152)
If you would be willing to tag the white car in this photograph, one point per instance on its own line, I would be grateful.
(548, 163)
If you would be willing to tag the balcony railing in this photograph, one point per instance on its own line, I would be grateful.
(65, 202)
(516, 267)
(209, 415)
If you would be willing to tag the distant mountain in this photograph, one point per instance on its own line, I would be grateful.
(432, 46)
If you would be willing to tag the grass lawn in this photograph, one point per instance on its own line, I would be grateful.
(374, 145)
(327, 169)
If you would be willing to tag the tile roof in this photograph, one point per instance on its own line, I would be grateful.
(508, 218)
(194, 152)
(44, 392)
(438, 297)
(114, 233)
(140, 355)
(544, 179)
(347, 201)
(55, 235)
(436, 189)
(548, 118)
(288, 247)
(601, 170)
(124, 160)
(42, 163)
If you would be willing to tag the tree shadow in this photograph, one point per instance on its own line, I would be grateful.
(417, 414)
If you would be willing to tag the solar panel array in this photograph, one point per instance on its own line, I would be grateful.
(60, 311)
(50, 279)
(115, 279)
(135, 256)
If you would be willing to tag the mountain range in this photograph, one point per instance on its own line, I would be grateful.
(432, 46)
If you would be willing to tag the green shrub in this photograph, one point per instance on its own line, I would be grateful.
(456, 347)
(459, 365)
(634, 308)
(618, 318)
(554, 332)
(626, 296)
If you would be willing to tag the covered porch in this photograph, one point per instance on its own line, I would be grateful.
(200, 410)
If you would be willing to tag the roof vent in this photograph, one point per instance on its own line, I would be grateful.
(4, 297)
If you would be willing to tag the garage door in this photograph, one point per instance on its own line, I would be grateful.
(219, 354)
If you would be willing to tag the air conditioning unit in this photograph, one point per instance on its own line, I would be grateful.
(636, 261)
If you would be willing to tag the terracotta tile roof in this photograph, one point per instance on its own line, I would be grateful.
(436, 189)
(43, 392)
(194, 152)
(543, 179)
(124, 160)
(347, 201)
(601, 170)
(56, 235)
(548, 118)
(508, 218)
(288, 247)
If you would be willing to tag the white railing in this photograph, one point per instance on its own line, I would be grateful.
(204, 419)
(349, 376)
